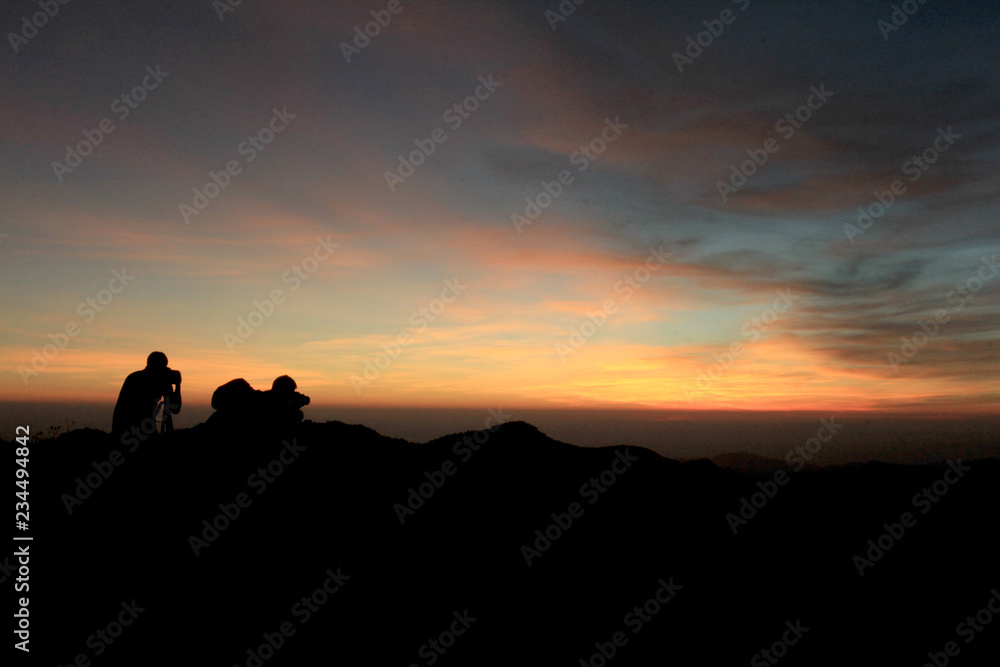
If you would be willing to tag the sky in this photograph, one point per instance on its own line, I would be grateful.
(689, 205)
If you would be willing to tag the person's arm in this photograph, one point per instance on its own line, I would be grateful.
(174, 397)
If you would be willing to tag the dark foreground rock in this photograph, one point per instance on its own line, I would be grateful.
(204, 546)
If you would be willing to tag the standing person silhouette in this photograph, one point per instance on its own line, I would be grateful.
(139, 399)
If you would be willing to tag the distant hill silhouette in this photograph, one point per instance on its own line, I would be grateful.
(335, 512)
(748, 462)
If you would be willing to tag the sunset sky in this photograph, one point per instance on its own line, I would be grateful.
(654, 278)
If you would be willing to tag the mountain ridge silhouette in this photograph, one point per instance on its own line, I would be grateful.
(334, 504)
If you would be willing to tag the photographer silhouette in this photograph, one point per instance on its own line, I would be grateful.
(144, 393)
(282, 402)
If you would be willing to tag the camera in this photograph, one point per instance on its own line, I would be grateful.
(172, 376)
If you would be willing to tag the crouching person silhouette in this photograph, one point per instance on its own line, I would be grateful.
(282, 402)
(144, 393)
(241, 410)
(236, 401)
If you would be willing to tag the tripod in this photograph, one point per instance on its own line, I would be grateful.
(170, 404)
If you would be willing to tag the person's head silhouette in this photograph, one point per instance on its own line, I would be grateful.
(284, 385)
(156, 361)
